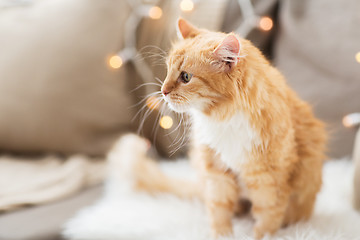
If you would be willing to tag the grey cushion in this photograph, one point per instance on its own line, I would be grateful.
(315, 49)
(44, 222)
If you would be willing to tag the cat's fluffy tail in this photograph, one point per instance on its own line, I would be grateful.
(129, 163)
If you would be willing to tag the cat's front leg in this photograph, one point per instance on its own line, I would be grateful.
(269, 195)
(221, 195)
(220, 188)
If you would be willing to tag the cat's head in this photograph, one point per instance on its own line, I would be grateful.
(201, 69)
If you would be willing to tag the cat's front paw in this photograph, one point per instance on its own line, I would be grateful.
(222, 231)
(258, 233)
(260, 230)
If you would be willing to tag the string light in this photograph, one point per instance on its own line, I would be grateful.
(153, 103)
(266, 23)
(186, 5)
(351, 120)
(357, 57)
(166, 122)
(155, 12)
(115, 62)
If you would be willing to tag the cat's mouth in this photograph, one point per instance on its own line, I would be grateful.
(180, 108)
(177, 105)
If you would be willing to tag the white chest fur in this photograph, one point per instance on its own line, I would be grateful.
(232, 139)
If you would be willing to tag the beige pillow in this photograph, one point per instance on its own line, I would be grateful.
(57, 93)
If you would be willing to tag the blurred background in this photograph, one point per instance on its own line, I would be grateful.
(77, 74)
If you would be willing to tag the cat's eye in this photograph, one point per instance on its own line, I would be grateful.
(185, 77)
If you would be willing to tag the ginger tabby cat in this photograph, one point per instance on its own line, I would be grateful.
(253, 137)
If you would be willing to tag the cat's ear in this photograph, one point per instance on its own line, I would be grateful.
(186, 29)
(228, 51)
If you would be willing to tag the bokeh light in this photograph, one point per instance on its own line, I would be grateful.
(115, 62)
(153, 103)
(186, 5)
(166, 122)
(351, 120)
(357, 57)
(155, 12)
(266, 23)
(347, 121)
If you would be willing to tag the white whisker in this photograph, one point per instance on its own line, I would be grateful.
(145, 84)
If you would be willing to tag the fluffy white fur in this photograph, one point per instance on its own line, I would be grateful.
(124, 214)
(221, 136)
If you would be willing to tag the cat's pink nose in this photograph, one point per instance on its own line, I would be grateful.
(165, 92)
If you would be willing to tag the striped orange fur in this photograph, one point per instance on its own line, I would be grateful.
(253, 137)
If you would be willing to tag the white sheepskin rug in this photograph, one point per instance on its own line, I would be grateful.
(124, 214)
